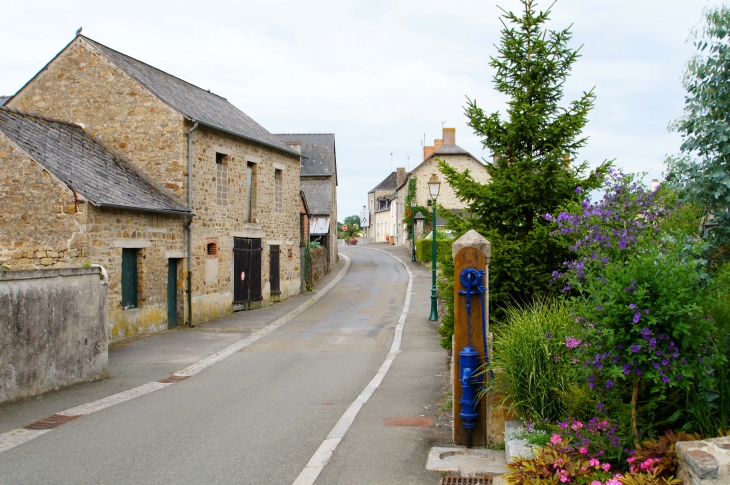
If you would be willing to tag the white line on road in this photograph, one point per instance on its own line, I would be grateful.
(322, 456)
(16, 437)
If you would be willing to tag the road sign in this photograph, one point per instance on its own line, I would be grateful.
(344, 228)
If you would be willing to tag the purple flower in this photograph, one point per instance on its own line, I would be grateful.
(679, 377)
(665, 362)
(635, 348)
(572, 342)
(665, 379)
(632, 306)
(599, 307)
(637, 317)
(549, 335)
(578, 190)
(609, 384)
(638, 371)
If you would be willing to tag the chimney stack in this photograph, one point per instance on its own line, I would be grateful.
(437, 144)
(400, 175)
(428, 151)
(449, 136)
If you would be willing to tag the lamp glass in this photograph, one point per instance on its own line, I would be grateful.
(434, 185)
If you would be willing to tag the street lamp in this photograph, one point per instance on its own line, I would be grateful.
(434, 185)
(413, 231)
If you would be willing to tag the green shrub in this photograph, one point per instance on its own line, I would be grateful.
(529, 348)
(443, 249)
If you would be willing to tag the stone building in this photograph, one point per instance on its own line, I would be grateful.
(67, 201)
(318, 179)
(443, 149)
(240, 247)
(379, 202)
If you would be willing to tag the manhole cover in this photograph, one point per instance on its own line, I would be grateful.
(51, 422)
(466, 481)
(409, 422)
(173, 379)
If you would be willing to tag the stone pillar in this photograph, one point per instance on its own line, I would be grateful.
(471, 250)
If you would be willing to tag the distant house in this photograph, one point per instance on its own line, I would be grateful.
(443, 149)
(238, 245)
(318, 179)
(383, 224)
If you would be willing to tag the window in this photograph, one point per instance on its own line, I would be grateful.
(156, 220)
(129, 278)
(211, 248)
(277, 191)
(221, 178)
(250, 192)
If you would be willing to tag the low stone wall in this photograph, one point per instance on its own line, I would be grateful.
(705, 462)
(54, 330)
(319, 263)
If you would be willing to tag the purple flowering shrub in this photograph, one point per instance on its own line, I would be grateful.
(639, 295)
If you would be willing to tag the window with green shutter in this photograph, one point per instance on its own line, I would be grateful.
(129, 278)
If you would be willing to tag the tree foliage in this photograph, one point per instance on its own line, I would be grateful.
(704, 168)
(534, 148)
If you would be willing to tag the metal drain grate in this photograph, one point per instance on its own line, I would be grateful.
(173, 379)
(52, 422)
(466, 481)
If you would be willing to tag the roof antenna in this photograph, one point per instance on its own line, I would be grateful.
(78, 32)
(391, 161)
(442, 124)
(408, 164)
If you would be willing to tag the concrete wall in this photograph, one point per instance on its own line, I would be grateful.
(53, 332)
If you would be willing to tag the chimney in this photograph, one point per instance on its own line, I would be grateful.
(295, 145)
(428, 151)
(400, 175)
(449, 136)
(437, 144)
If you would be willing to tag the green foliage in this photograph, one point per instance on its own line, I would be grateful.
(308, 267)
(445, 286)
(704, 168)
(443, 249)
(353, 227)
(532, 174)
(579, 401)
(314, 244)
(529, 348)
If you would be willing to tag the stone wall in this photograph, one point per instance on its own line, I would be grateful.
(446, 197)
(705, 462)
(41, 224)
(319, 264)
(82, 86)
(54, 330)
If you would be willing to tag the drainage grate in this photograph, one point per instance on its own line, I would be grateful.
(466, 481)
(52, 422)
(409, 422)
(173, 378)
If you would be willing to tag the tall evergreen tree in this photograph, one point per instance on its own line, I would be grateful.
(534, 148)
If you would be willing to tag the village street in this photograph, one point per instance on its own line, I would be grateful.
(259, 415)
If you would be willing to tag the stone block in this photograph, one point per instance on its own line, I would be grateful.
(46, 261)
(702, 463)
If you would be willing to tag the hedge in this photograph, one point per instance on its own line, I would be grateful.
(443, 249)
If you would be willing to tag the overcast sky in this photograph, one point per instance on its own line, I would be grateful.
(381, 74)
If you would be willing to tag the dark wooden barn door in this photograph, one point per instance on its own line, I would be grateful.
(171, 293)
(275, 283)
(246, 270)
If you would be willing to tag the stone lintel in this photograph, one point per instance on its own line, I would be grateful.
(475, 240)
(132, 243)
(176, 255)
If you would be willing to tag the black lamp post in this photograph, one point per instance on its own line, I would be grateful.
(413, 231)
(434, 185)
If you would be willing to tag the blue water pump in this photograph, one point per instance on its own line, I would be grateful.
(473, 282)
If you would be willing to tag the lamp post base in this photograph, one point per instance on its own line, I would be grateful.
(434, 307)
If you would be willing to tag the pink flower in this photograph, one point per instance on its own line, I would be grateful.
(606, 467)
(613, 481)
(596, 482)
(594, 462)
(630, 460)
(583, 450)
(577, 425)
(555, 439)
(564, 478)
(583, 468)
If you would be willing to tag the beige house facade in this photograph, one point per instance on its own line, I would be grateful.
(234, 240)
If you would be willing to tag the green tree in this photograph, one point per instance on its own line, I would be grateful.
(533, 149)
(703, 170)
(353, 227)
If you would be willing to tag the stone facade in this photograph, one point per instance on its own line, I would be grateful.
(83, 86)
(42, 222)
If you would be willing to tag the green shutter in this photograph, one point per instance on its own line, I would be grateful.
(129, 278)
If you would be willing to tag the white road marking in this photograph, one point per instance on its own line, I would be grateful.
(322, 456)
(16, 437)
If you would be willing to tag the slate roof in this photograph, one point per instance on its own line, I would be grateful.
(318, 152)
(193, 102)
(3, 99)
(450, 150)
(319, 195)
(72, 156)
(389, 183)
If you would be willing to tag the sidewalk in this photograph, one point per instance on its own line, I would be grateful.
(154, 357)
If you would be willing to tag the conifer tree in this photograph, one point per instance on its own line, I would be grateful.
(534, 148)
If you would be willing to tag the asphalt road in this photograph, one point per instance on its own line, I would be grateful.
(258, 416)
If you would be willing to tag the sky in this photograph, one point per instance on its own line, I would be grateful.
(382, 75)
